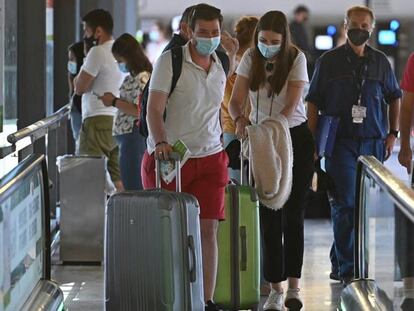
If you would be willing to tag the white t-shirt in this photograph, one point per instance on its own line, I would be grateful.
(193, 108)
(297, 73)
(101, 64)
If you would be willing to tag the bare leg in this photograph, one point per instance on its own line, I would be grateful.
(210, 254)
(293, 283)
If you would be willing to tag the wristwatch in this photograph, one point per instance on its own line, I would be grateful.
(114, 101)
(394, 132)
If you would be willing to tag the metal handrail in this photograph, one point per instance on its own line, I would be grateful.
(399, 192)
(39, 128)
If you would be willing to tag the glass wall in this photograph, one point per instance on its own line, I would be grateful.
(49, 57)
(8, 77)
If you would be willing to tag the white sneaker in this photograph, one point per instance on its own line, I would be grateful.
(274, 301)
(293, 301)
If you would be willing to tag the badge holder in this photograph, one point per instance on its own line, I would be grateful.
(359, 113)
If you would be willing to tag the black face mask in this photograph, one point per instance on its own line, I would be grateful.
(358, 36)
(89, 42)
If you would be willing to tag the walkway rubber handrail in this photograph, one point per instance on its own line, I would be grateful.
(399, 192)
(39, 128)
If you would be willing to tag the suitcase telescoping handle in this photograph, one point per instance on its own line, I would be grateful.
(249, 178)
(172, 156)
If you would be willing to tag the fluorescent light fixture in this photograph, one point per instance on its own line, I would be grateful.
(387, 37)
(323, 42)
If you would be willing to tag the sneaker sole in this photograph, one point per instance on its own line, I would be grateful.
(293, 304)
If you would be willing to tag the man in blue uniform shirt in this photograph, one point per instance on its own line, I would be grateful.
(356, 83)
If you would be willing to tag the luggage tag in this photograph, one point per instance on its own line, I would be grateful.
(359, 113)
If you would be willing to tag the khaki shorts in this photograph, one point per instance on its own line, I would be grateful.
(96, 140)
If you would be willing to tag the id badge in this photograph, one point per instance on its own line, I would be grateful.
(359, 113)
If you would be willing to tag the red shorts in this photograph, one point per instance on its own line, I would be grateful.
(206, 178)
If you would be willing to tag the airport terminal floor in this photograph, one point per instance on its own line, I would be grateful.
(83, 286)
(321, 93)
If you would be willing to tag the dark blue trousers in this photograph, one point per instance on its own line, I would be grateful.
(341, 167)
(131, 151)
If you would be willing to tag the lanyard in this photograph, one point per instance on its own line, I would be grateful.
(360, 73)
(257, 106)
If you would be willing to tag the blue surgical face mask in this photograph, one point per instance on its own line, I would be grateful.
(72, 67)
(268, 51)
(155, 36)
(123, 68)
(206, 46)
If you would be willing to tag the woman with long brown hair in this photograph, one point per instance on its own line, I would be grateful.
(273, 75)
(132, 61)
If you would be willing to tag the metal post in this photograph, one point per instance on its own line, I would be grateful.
(31, 64)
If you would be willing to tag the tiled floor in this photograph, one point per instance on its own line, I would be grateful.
(83, 285)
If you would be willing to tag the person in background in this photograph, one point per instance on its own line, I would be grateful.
(273, 75)
(75, 61)
(244, 31)
(158, 36)
(132, 61)
(407, 111)
(300, 35)
(99, 74)
(404, 231)
(182, 37)
(356, 84)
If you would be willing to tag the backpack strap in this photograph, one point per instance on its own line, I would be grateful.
(177, 65)
(225, 61)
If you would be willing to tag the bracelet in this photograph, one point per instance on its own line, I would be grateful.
(160, 143)
(114, 101)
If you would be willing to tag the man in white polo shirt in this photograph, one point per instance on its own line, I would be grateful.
(192, 115)
(99, 74)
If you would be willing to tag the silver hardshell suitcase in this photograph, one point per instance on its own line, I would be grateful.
(153, 251)
(82, 208)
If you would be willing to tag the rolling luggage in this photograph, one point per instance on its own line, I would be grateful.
(238, 277)
(82, 213)
(153, 251)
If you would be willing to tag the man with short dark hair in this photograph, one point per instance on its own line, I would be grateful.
(192, 116)
(99, 74)
(355, 83)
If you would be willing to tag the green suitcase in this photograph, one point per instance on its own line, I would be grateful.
(238, 277)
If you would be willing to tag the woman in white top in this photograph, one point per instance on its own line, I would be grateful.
(273, 74)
